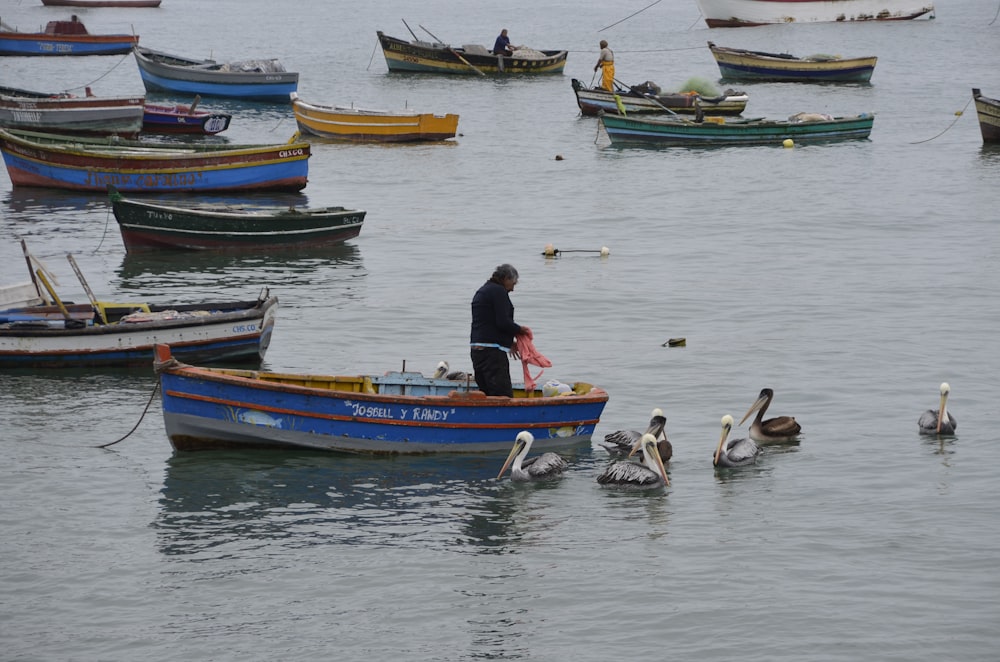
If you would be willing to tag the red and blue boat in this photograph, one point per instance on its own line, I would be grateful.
(183, 119)
(393, 413)
(91, 164)
(65, 38)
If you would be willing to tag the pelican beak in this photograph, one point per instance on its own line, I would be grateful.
(518, 445)
(941, 410)
(657, 428)
(636, 446)
(722, 440)
(754, 407)
(650, 450)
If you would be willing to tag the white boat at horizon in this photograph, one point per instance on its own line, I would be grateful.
(746, 13)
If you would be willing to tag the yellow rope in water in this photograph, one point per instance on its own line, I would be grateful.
(958, 117)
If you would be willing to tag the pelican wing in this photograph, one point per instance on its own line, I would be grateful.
(928, 422)
(621, 442)
(628, 473)
(546, 464)
(782, 426)
(742, 451)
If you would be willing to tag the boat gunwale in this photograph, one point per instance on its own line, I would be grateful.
(253, 380)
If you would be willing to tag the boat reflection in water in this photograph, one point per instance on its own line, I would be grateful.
(162, 271)
(217, 502)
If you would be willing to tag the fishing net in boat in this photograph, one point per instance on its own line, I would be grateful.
(700, 86)
(262, 66)
(525, 53)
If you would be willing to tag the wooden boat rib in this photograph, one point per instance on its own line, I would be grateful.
(361, 125)
(57, 113)
(162, 225)
(988, 112)
(745, 13)
(65, 38)
(432, 57)
(592, 101)
(744, 65)
(393, 413)
(42, 331)
(91, 164)
(257, 80)
(719, 131)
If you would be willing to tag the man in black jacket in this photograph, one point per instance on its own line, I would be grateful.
(493, 331)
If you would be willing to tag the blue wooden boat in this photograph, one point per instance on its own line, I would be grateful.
(252, 80)
(64, 38)
(712, 131)
(395, 413)
(91, 164)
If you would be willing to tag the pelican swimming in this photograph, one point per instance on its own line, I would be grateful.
(546, 465)
(938, 421)
(734, 452)
(442, 372)
(626, 442)
(648, 474)
(773, 430)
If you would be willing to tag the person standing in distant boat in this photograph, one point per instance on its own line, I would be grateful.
(502, 45)
(606, 62)
(493, 331)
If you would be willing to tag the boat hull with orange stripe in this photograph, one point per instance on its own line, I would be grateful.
(395, 413)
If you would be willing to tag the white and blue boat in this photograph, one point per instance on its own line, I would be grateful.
(249, 80)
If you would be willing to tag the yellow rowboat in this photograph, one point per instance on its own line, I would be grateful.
(362, 125)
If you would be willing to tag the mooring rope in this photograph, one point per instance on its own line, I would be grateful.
(629, 16)
(83, 87)
(958, 117)
(151, 396)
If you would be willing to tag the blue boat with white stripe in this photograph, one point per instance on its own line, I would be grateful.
(251, 80)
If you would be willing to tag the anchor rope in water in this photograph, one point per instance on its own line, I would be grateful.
(106, 73)
(151, 396)
(959, 115)
(629, 16)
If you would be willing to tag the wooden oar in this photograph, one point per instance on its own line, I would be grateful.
(452, 51)
(415, 37)
(55, 297)
(86, 288)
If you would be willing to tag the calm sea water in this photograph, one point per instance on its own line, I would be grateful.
(851, 278)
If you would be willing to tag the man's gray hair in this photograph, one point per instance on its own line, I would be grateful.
(503, 272)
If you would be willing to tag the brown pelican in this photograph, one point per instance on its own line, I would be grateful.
(735, 452)
(627, 442)
(648, 474)
(443, 372)
(773, 430)
(547, 465)
(938, 421)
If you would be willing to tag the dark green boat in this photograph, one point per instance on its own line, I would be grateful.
(163, 225)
